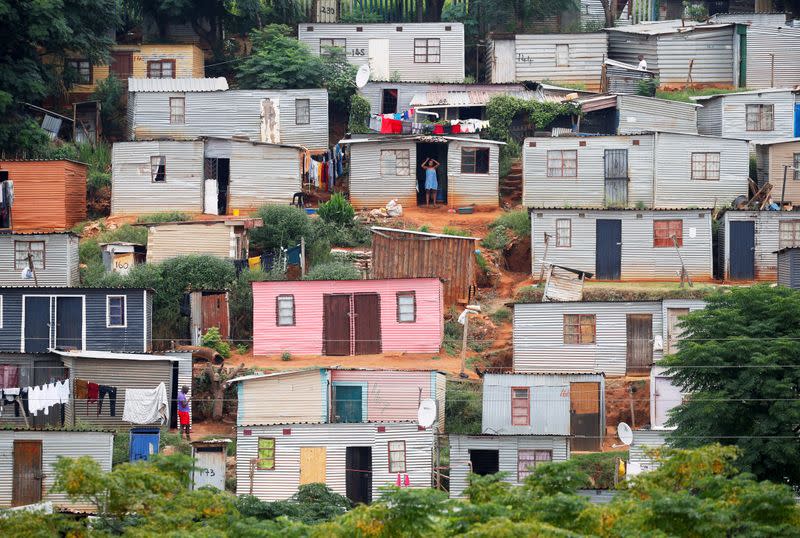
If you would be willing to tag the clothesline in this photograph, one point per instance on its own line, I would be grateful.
(324, 170)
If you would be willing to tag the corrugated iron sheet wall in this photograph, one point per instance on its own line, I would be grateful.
(711, 50)
(61, 260)
(709, 118)
(734, 115)
(781, 155)
(262, 174)
(478, 189)
(373, 92)
(767, 231)
(170, 240)
(789, 268)
(536, 58)
(643, 440)
(772, 57)
(637, 114)
(370, 186)
(626, 47)
(293, 398)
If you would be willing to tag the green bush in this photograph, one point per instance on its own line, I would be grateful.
(337, 210)
(501, 315)
(333, 271)
(125, 234)
(165, 216)
(497, 239)
(450, 230)
(359, 115)
(283, 226)
(213, 339)
(337, 235)
(518, 222)
(483, 265)
(599, 467)
(463, 409)
(453, 334)
(647, 87)
(313, 503)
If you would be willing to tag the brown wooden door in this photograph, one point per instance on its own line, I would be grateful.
(639, 355)
(122, 65)
(674, 330)
(27, 473)
(215, 313)
(368, 323)
(336, 324)
(584, 412)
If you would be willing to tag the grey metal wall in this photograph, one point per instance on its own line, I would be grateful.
(70, 444)
(550, 402)
(535, 58)
(767, 239)
(501, 60)
(642, 441)
(61, 260)
(479, 189)
(713, 52)
(508, 447)
(282, 482)
(262, 174)
(539, 337)
(626, 47)
(640, 260)
(373, 92)
(401, 47)
(754, 20)
(789, 268)
(772, 57)
(734, 114)
(709, 117)
(170, 240)
(637, 113)
(230, 113)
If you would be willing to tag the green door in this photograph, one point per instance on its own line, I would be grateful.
(348, 404)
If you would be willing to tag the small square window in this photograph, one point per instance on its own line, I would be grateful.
(562, 163)
(665, 230)
(789, 233)
(284, 306)
(82, 70)
(395, 162)
(528, 459)
(563, 232)
(161, 69)
(705, 166)
(116, 311)
(158, 169)
(760, 117)
(266, 454)
(427, 51)
(475, 160)
(177, 110)
(580, 328)
(397, 456)
(302, 111)
(25, 249)
(406, 307)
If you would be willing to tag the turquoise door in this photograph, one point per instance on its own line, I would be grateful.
(349, 404)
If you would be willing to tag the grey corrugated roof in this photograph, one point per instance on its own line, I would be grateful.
(478, 97)
(667, 27)
(177, 84)
(750, 92)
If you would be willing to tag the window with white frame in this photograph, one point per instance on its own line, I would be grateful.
(562, 163)
(26, 252)
(760, 118)
(177, 110)
(161, 69)
(325, 45)
(395, 162)
(427, 51)
(705, 165)
(397, 456)
(302, 111)
(528, 459)
(562, 55)
(284, 314)
(789, 233)
(406, 307)
(116, 311)
(158, 168)
(563, 232)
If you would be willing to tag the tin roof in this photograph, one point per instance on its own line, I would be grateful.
(86, 354)
(40, 161)
(617, 63)
(330, 368)
(247, 222)
(177, 84)
(610, 211)
(476, 97)
(419, 138)
(750, 92)
(13, 233)
(774, 142)
(667, 27)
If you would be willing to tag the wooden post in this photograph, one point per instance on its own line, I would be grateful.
(33, 270)
(633, 415)
(544, 257)
(464, 346)
(303, 256)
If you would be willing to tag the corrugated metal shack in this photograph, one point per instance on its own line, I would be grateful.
(637, 113)
(759, 115)
(311, 317)
(643, 441)
(624, 244)
(789, 267)
(681, 51)
(213, 176)
(410, 254)
(185, 109)
(749, 239)
(224, 238)
(415, 52)
(655, 170)
(512, 454)
(48, 195)
(54, 257)
(27, 458)
(468, 173)
(773, 159)
(622, 78)
(557, 58)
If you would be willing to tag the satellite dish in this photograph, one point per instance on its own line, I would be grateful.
(624, 433)
(362, 77)
(426, 415)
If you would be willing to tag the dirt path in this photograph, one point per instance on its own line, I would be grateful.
(436, 219)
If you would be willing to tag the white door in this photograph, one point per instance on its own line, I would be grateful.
(379, 59)
(504, 67)
(667, 396)
(270, 121)
(211, 195)
(209, 467)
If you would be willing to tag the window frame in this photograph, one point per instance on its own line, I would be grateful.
(172, 116)
(29, 243)
(796, 164)
(297, 110)
(659, 241)
(325, 48)
(413, 295)
(529, 468)
(397, 170)
(259, 459)
(383, 99)
(396, 451)
(75, 64)
(794, 231)
(153, 171)
(422, 50)
(558, 64)
(561, 157)
(695, 160)
(474, 151)
(151, 64)
(578, 323)
(527, 400)
(760, 116)
(569, 231)
(124, 312)
(278, 310)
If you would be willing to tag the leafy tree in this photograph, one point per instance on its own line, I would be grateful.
(333, 271)
(738, 360)
(110, 93)
(337, 210)
(283, 226)
(519, 15)
(279, 61)
(206, 17)
(339, 77)
(359, 115)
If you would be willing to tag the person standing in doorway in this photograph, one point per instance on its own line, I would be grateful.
(431, 181)
(183, 412)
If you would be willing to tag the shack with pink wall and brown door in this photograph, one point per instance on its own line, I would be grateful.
(348, 317)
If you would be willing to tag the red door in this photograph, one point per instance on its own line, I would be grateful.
(367, 323)
(215, 313)
(27, 488)
(122, 65)
(336, 325)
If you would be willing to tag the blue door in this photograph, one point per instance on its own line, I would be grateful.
(742, 250)
(797, 121)
(144, 443)
(37, 324)
(348, 403)
(608, 249)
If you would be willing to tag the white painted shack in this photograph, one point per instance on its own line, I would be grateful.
(641, 455)
(187, 109)
(415, 52)
(226, 238)
(656, 170)
(556, 58)
(624, 244)
(53, 257)
(213, 176)
(384, 168)
(664, 396)
(680, 51)
(778, 163)
(757, 115)
(749, 239)
(516, 455)
(27, 458)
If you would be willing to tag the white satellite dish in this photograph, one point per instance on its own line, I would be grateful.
(624, 433)
(362, 77)
(426, 414)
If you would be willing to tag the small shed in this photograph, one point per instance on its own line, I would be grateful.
(748, 241)
(384, 168)
(348, 317)
(27, 471)
(47, 195)
(121, 257)
(52, 256)
(411, 254)
(223, 237)
(563, 283)
(208, 308)
(210, 463)
(758, 115)
(789, 267)
(644, 441)
(623, 78)
(778, 163)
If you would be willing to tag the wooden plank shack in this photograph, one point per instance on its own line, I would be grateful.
(410, 254)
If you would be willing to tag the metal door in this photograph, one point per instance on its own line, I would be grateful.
(215, 313)
(639, 356)
(349, 402)
(358, 474)
(122, 65)
(144, 443)
(584, 412)
(367, 308)
(37, 324)
(313, 460)
(209, 467)
(797, 121)
(336, 325)
(28, 476)
(379, 58)
(69, 322)
(742, 250)
(674, 330)
(608, 249)
(616, 177)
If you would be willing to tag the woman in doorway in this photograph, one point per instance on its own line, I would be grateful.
(431, 181)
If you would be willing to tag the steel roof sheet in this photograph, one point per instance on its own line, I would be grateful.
(177, 84)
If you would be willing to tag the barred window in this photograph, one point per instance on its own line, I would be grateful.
(427, 51)
(562, 163)
(397, 456)
(760, 117)
(664, 230)
(177, 110)
(579, 328)
(82, 70)
(284, 310)
(789, 233)
(302, 111)
(406, 307)
(266, 454)
(475, 160)
(24, 248)
(161, 69)
(158, 169)
(796, 161)
(520, 406)
(705, 165)
(395, 162)
(563, 232)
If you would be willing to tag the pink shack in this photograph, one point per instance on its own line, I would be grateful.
(348, 317)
